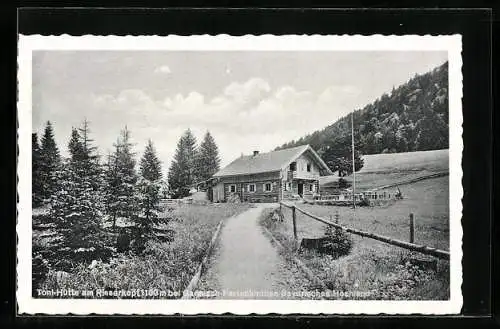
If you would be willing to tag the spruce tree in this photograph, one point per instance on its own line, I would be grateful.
(36, 184)
(149, 186)
(123, 180)
(182, 172)
(150, 164)
(112, 185)
(75, 146)
(50, 161)
(77, 205)
(207, 158)
(90, 157)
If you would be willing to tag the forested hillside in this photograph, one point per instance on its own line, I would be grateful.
(412, 117)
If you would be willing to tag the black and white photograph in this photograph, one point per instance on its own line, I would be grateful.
(240, 174)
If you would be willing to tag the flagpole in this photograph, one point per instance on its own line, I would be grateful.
(353, 166)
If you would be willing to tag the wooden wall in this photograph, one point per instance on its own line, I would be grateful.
(260, 195)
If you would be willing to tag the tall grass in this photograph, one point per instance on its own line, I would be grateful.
(162, 266)
(373, 266)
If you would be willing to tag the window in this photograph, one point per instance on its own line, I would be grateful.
(267, 187)
(293, 166)
(232, 188)
(251, 188)
(289, 186)
(308, 167)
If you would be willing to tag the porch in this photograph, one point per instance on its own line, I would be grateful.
(300, 187)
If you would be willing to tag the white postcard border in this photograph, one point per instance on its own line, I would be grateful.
(27, 44)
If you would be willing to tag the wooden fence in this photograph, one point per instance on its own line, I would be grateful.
(395, 242)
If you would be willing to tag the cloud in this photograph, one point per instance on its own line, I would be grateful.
(242, 117)
(248, 92)
(164, 69)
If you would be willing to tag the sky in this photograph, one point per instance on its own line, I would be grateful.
(248, 100)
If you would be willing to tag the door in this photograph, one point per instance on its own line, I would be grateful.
(300, 189)
(210, 192)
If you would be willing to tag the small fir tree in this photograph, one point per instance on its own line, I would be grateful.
(77, 205)
(111, 186)
(207, 158)
(50, 161)
(75, 146)
(36, 183)
(181, 174)
(124, 179)
(149, 186)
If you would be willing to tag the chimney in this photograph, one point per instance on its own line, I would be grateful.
(255, 153)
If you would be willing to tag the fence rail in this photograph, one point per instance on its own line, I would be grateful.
(395, 242)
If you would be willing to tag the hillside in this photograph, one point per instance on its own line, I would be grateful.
(412, 117)
(386, 169)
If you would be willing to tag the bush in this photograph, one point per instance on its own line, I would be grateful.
(337, 242)
(180, 193)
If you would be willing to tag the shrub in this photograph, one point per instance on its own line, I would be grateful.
(337, 243)
(404, 282)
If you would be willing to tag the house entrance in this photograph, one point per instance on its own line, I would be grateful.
(300, 189)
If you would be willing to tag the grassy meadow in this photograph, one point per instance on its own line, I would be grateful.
(386, 169)
(165, 266)
(374, 266)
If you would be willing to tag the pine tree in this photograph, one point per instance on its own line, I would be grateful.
(112, 185)
(36, 184)
(76, 209)
(75, 146)
(90, 157)
(207, 158)
(181, 174)
(122, 180)
(150, 164)
(149, 186)
(77, 205)
(50, 161)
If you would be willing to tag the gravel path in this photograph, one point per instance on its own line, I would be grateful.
(246, 265)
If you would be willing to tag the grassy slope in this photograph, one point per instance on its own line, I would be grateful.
(373, 265)
(385, 169)
(427, 200)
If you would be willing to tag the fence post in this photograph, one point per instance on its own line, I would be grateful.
(294, 218)
(412, 228)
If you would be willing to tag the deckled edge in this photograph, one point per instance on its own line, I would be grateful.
(312, 307)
